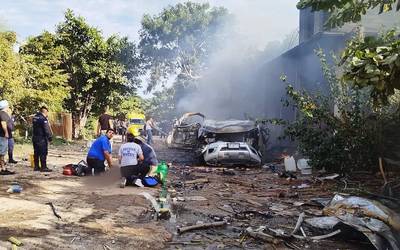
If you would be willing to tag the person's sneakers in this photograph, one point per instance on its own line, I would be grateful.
(123, 182)
(36, 169)
(46, 170)
(12, 161)
(138, 182)
(6, 172)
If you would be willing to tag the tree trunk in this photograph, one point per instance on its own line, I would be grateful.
(79, 119)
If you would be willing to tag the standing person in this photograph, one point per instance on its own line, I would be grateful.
(99, 152)
(150, 162)
(149, 130)
(105, 123)
(10, 127)
(41, 137)
(128, 156)
(4, 119)
(122, 127)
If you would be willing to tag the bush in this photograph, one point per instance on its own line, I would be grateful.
(351, 138)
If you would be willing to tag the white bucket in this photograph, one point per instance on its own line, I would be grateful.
(305, 169)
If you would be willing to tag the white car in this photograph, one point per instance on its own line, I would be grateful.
(231, 154)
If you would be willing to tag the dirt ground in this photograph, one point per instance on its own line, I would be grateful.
(97, 214)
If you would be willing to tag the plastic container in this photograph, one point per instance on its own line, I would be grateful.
(290, 164)
(305, 169)
(15, 188)
(32, 160)
(162, 169)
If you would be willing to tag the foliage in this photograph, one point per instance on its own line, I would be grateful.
(129, 104)
(343, 11)
(179, 40)
(45, 83)
(351, 138)
(92, 63)
(11, 77)
(374, 62)
(162, 105)
(90, 130)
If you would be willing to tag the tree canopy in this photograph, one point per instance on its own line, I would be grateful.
(43, 77)
(343, 11)
(179, 40)
(96, 74)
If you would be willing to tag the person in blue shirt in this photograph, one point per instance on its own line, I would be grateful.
(99, 152)
(150, 161)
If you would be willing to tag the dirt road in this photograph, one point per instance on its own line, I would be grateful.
(97, 214)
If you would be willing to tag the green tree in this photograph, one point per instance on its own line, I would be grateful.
(91, 62)
(162, 106)
(11, 76)
(179, 40)
(343, 11)
(374, 63)
(45, 82)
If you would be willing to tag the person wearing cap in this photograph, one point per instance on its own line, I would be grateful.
(4, 135)
(150, 161)
(41, 137)
(99, 152)
(129, 155)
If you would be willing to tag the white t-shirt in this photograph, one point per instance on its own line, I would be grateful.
(149, 125)
(129, 153)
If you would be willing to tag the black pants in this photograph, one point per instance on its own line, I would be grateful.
(135, 171)
(96, 164)
(40, 150)
(10, 148)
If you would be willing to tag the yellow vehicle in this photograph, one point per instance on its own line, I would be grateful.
(136, 123)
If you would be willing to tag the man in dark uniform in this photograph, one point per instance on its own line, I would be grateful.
(41, 137)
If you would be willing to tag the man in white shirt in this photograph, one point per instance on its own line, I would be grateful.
(128, 155)
(149, 130)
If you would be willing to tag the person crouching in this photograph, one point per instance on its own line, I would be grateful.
(99, 152)
(128, 155)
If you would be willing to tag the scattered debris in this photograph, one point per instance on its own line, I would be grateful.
(259, 235)
(195, 198)
(15, 241)
(228, 172)
(329, 177)
(197, 181)
(378, 223)
(227, 208)
(298, 224)
(362, 207)
(304, 185)
(54, 210)
(288, 175)
(201, 226)
(14, 188)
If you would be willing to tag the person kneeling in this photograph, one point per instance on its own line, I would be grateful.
(99, 152)
(128, 155)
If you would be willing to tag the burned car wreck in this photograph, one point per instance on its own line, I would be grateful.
(219, 143)
(185, 131)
